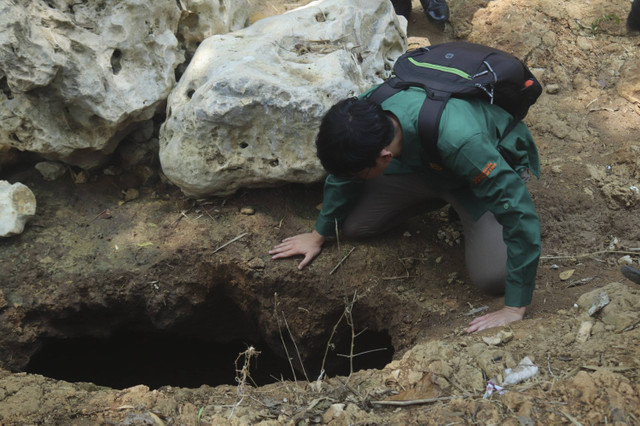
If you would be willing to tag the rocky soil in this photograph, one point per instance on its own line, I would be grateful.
(124, 302)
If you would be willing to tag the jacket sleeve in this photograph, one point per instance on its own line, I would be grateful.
(501, 190)
(338, 198)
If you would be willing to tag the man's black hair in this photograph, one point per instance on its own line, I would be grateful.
(352, 134)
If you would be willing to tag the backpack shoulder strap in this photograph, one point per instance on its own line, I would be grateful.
(384, 91)
(428, 123)
(428, 118)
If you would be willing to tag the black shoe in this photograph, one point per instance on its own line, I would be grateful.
(631, 273)
(633, 20)
(436, 10)
(402, 7)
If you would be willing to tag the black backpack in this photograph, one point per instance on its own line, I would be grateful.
(462, 70)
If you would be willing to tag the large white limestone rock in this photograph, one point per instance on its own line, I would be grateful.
(246, 111)
(204, 18)
(78, 74)
(17, 207)
(76, 77)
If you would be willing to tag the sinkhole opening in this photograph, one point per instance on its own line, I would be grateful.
(202, 344)
(154, 359)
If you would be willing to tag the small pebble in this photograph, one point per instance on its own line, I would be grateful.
(131, 194)
(553, 89)
(112, 171)
(625, 260)
(81, 177)
(51, 170)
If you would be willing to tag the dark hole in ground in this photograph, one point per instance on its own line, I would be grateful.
(157, 359)
(120, 347)
(153, 359)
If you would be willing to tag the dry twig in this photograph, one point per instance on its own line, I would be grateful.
(326, 351)
(362, 353)
(284, 345)
(348, 309)
(400, 277)
(296, 347)
(577, 256)
(343, 259)
(416, 401)
(229, 242)
(581, 281)
(243, 374)
(571, 419)
(549, 365)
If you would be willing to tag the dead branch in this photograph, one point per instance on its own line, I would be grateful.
(207, 211)
(243, 374)
(416, 401)
(400, 277)
(580, 282)
(350, 388)
(348, 309)
(549, 365)
(614, 369)
(295, 346)
(284, 345)
(571, 418)
(182, 214)
(229, 242)
(362, 353)
(577, 256)
(326, 351)
(343, 259)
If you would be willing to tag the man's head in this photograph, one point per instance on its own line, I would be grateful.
(352, 136)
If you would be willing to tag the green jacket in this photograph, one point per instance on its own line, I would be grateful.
(474, 170)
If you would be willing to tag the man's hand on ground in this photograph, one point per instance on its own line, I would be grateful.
(309, 245)
(504, 316)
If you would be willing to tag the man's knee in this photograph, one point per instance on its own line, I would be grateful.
(356, 230)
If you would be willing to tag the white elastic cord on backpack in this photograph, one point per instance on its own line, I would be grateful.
(495, 76)
(485, 90)
(482, 86)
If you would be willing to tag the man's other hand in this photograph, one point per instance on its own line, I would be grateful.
(309, 245)
(504, 316)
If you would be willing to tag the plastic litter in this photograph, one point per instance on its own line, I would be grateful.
(491, 388)
(525, 370)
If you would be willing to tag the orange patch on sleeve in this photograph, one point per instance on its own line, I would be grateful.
(484, 173)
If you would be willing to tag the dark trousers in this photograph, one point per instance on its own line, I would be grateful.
(390, 199)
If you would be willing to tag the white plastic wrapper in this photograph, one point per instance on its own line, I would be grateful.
(525, 370)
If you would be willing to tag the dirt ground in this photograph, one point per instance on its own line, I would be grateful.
(124, 302)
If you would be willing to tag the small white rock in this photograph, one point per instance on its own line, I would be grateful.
(51, 170)
(584, 332)
(332, 413)
(17, 207)
(553, 89)
(625, 260)
(600, 302)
